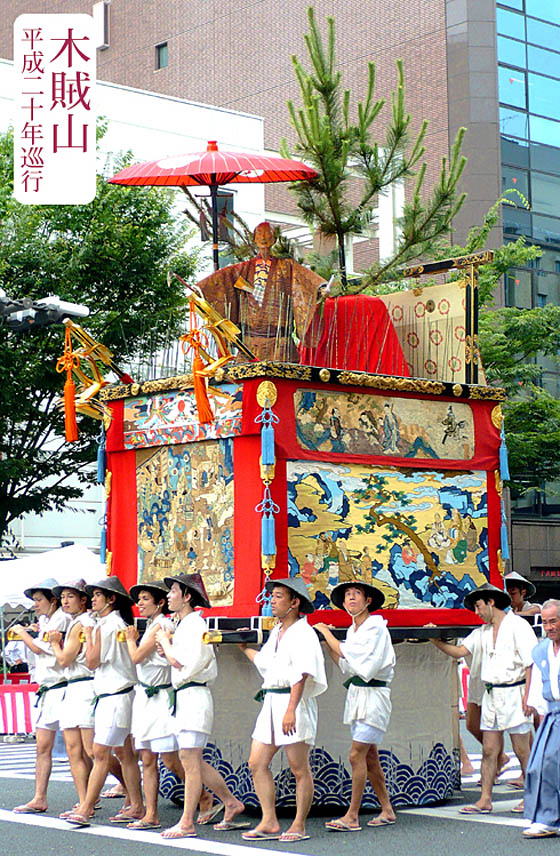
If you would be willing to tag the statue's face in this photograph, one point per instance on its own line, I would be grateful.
(264, 237)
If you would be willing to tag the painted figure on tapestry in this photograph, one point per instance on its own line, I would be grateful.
(268, 298)
(328, 421)
(185, 514)
(419, 536)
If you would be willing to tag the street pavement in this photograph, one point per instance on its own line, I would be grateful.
(418, 831)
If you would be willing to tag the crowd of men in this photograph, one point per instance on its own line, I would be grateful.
(118, 698)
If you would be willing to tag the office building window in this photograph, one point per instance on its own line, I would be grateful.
(161, 55)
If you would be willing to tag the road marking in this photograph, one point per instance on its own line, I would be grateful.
(451, 812)
(198, 845)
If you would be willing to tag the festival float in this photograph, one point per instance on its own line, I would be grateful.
(377, 455)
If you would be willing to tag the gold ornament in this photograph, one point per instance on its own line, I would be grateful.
(497, 417)
(457, 389)
(325, 375)
(267, 393)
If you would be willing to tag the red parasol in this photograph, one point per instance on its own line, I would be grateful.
(213, 168)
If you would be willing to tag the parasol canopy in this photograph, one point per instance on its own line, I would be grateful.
(213, 169)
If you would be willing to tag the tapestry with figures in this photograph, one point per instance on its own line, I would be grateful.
(421, 536)
(185, 514)
(361, 424)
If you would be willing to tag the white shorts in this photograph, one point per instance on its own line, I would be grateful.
(113, 718)
(50, 706)
(524, 728)
(77, 707)
(363, 732)
(112, 736)
(192, 739)
(159, 744)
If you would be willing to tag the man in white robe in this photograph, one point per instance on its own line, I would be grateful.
(50, 677)
(293, 670)
(367, 659)
(506, 645)
(193, 669)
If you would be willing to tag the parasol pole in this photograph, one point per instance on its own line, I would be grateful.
(214, 197)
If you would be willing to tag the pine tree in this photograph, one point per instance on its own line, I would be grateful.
(343, 152)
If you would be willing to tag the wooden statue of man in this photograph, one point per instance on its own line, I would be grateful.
(269, 299)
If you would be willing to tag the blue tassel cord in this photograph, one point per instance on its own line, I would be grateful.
(263, 599)
(504, 535)
(504, 465)
(101, 457)
(267, 419)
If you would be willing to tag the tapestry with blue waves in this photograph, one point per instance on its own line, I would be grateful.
(433, 781)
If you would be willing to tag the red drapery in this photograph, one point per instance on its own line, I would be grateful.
(357, 334)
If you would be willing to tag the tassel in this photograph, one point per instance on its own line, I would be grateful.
(70, 424)
(101, 458)
(268, 536)
(103, 545)
(204, 410)
(267, 445)
(505, 543)
(264, 601)
(504, 465)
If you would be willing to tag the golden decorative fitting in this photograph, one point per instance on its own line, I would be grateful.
(108, 480)
(431, 387)
(108, 562)
(267, 393)
(268, 563)
(121, 635)
(212, 637)
(501, 566)
(497, 417)
(219, 375)
(485, 393)
(417, 291)
(135, 389)
(457, 389)
(498, 482)
(267, 472)
(325, 375)
(430, 305)
(268, 622)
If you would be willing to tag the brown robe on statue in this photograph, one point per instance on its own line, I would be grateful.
(288, 306)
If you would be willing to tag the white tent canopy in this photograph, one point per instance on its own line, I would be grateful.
(64, 564)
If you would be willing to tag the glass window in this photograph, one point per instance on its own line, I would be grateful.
(546, 229)
(519, 291)
(512, 52)
(515, 179)
(546, 158)
(543, 35)
(510, 24)
(545, 194)
(548, 10)
(544, 130)
(161, 55)
(511, 87)
(544, 95)
(539, 60)
(517, 221)
(513, 4)
(513, 122)
(515, 152)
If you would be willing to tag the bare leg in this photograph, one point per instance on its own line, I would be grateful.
(467, 768)
(131, 774)
(259, 764)
(191, 759)
(101, 760)
(298, 758)
(492, 741)
(79, 767)
(358, 762)
(44, 746)
(216, 783)
(472, 721)
(150, 777)
(377, 781)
